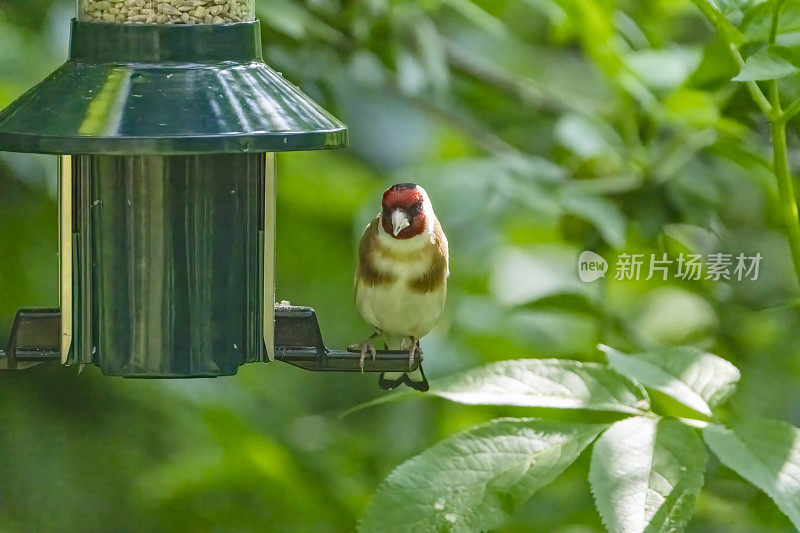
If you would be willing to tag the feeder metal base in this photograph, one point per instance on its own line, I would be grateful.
(298, 341)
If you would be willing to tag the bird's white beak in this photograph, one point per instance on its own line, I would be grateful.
(399, 221)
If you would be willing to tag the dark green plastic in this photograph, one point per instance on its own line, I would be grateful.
(168, 264)
(149, 89)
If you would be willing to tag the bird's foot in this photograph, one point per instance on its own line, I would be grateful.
(366, 346)
(414, 352)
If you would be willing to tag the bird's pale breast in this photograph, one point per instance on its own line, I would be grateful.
(398, 310)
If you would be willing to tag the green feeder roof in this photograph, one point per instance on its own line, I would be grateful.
(147, 89)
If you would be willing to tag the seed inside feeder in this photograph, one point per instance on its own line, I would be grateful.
(166, 11)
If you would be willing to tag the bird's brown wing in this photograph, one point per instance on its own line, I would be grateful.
(366, 272)
(435, 276)
(440, 241)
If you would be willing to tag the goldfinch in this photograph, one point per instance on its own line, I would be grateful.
(401, 277)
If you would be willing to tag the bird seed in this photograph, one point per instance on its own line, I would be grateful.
(167, 11)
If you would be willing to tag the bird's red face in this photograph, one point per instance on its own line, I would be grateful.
(403, 213)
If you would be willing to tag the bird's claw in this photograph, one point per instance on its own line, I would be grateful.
(366, 346)
(415, 352)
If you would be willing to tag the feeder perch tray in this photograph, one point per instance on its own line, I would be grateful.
(298, 341)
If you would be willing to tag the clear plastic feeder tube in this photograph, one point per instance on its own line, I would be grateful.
(166, 11)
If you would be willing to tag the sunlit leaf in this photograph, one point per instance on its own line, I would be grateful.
(663, 69)
(694, 378)
(767, 454)
(475, 480)
(645, 475)
(586, 138)
(769, 63)
(730, 6)
(558, 383)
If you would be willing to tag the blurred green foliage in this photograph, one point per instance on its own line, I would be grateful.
(540, 128)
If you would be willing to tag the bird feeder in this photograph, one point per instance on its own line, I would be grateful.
(166, 121)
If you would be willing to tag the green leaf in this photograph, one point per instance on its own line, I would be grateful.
(600, 212)
(694, 378)
(645, 474)
(474, 480)
(477, 15)
(732, 6)
(557, 383)
(767, 454)
(757, 24)
(663, 69)
(586, 137)
(769, 63)
(668, 315)
(520, 276)
(698, 108)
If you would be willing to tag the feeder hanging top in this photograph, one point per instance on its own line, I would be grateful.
(166, 89)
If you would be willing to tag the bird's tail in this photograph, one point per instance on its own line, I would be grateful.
(415, 379)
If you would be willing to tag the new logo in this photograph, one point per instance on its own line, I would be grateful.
(591, 266)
